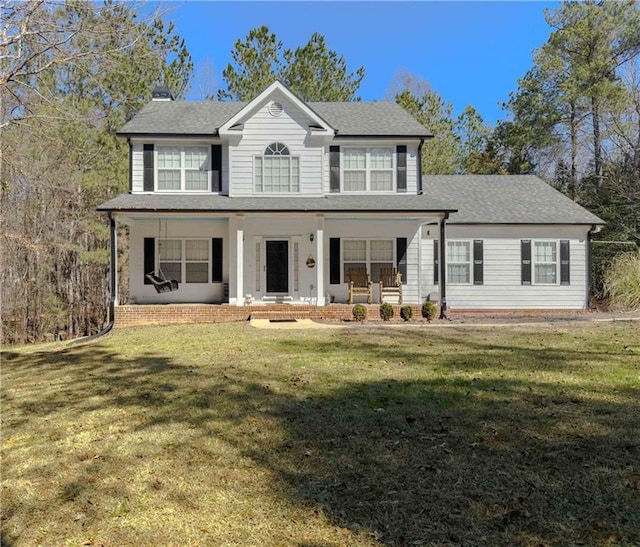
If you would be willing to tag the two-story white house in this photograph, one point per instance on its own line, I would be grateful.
(276, 200)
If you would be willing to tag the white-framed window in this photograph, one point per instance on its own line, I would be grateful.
(367, 169)
(371, 254)
(459, 262)
(276, 171)
(185, 260)
(545, 262)
(183, 168)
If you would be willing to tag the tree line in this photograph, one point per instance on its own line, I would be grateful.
(73, 73)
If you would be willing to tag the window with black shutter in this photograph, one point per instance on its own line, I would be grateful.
(216, 256)
(478, 262)
(216, 167)
(334, 260)
(525, 260)
(401, 168)
(401, 257)
(436, 262)
(148, 183)
(564, 262)
(149, 258)
(334, 168)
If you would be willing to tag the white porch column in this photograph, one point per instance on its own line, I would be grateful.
(236, 262)
(320, 260)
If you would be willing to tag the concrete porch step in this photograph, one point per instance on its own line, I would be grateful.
(288, 313)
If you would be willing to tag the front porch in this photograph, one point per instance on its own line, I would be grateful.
(131, 315)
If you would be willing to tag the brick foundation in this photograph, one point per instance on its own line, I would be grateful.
(172, 314)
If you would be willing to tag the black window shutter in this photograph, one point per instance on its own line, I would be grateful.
(216, 167)
(149, 257)
(334, 260)
(147, 164)
(478, 262)
(525, 257)
(436, 263)
(334, 168)
(216, 257)
(564, 262)
(401, 257)
(401, 168)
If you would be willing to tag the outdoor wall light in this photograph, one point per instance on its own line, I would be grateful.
(311, 237)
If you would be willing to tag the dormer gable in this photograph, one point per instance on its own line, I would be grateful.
(278, 97)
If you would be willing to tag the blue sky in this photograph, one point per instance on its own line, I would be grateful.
(470, 52)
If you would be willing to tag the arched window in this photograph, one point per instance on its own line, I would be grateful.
(276, 171)
(276, 149)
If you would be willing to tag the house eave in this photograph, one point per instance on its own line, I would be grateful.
(530, 223)
(345, 136)
(240, 210)
(156, 135)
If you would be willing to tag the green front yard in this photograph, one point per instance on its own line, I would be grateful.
(229, 435)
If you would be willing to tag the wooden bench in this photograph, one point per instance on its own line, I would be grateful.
(390, 284)
(359, 284)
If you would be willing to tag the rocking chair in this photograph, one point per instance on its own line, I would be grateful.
(359, 284)
(390, 284)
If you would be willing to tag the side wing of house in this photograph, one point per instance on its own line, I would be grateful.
(515, 243)
(510, 267)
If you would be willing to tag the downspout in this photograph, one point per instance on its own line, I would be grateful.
(130, 164)
(443, 268)
(420, 191)
(113, 271)
(112, 286)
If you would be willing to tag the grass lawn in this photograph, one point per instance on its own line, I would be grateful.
(230, 435)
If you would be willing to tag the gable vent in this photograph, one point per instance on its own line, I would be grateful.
(276, 109)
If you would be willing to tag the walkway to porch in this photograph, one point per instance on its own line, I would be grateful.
(171, 314)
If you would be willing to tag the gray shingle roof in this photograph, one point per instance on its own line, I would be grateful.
(181, 118)
(204, 118)
(502, 199)
(332, 203)
(478, 199)
(369, 119)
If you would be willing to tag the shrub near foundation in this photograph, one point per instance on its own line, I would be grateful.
(429, 310)
(406, 312)
(386, 311)
(359, 312)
